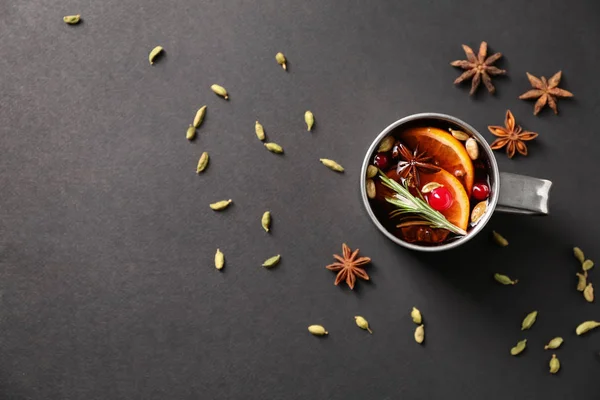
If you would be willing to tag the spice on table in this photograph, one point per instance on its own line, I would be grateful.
(348, 267)
(265, 221)
(518, 349)
(154, 54)
(529, 320)
(202, 162)
(362, 323)
(578, 253)
(512, 136)
(478, 68)
(586, 327)
(190, 134)
(581, 281)
(554, 364)
(280, 58)
(545, 91)
(416, 316)
(72, 19)
(220, 91)
(588, 293)
(274, 148)
(587, 265)
(332, 165)
(309, 118)
(199, 117)
(260, 131)
(554, 343)
(499, 239)
(505, 280)
(271, 262)
(317, 330)
(420, 334)
(221, 205)
(219, 260)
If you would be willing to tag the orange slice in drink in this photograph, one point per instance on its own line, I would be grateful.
(449, 153)
(458, 212)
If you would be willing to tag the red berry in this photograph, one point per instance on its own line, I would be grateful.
(481, 191)
(440, 198)
(382, 161)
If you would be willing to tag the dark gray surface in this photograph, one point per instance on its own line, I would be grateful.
(108, 289)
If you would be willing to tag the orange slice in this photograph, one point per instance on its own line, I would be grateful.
(458, 212)
(450, 153)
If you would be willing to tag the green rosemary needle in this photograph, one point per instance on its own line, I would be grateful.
(409, 204)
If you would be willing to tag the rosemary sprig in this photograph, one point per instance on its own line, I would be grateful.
(409, 204)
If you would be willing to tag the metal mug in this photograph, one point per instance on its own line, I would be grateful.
(510, 193)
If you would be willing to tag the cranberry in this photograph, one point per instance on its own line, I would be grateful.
(481, 191)
(440, 198)
(382, 161)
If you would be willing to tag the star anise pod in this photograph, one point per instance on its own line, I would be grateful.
(512, 136)
(547, 91)
(348, 266)
(413, 163)
(479, 68)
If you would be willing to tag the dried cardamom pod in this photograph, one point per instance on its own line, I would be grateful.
(554, 343)
(371, 189)
(202, 163)
(554, 364)
(221, 205)
(317, 330)
(274, 148)
(472, 148)
(430, 186)
(72, 19)
(529, 320)
(362, 323)
(220, 91)
(578, 253)
(260, 132)
(478, 212)
(460, 135)
(518, 349)
(586, 326)
(266, 221)
(190, 134)
(588, 293)
(582, 281)
(309, 118)
(199, 117)
(386, 144)
(505, 280)
(332, 165)
(499, 239)
(271, 262)
(587, 265)
(280, 58)
(219, 260)
(416, 316)
(371, 171)
(420, 334)
(154, 54)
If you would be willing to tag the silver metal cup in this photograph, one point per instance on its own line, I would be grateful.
(510, 193)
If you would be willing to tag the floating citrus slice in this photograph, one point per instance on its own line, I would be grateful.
(448, 152)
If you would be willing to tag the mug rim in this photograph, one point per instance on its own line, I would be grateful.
(495, 175)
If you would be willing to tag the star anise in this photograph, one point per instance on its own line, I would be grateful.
(349, 266)
(546, 90)
(413, 163)
(478, 68)
(512, 136)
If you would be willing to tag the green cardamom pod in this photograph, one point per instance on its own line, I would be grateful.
(221, 205)
(587, 265)
(317, 330)
(588, 293)
(271, 262)
(309, 118)
(578, 253)
(280, 58)
(371, 189)
(554, 343)
(266, 220)
(586, 326)
(260, 132)
(420, 334)
(154, 53)
(199, 117)
(219, 260)
(190, 134)
(518, 349)
(529, 320)
(72, 19)
(429, 187)
(274, 148)
(332, 165)
(362, 323)
(386, 144)
(554, 364)
(582, 281)
(220, 91)
(371, 171)
(202, 162)
(505, 280)
(416, 316)
(499, 239)
(460, 135)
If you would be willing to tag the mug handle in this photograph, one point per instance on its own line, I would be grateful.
(521, 194)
